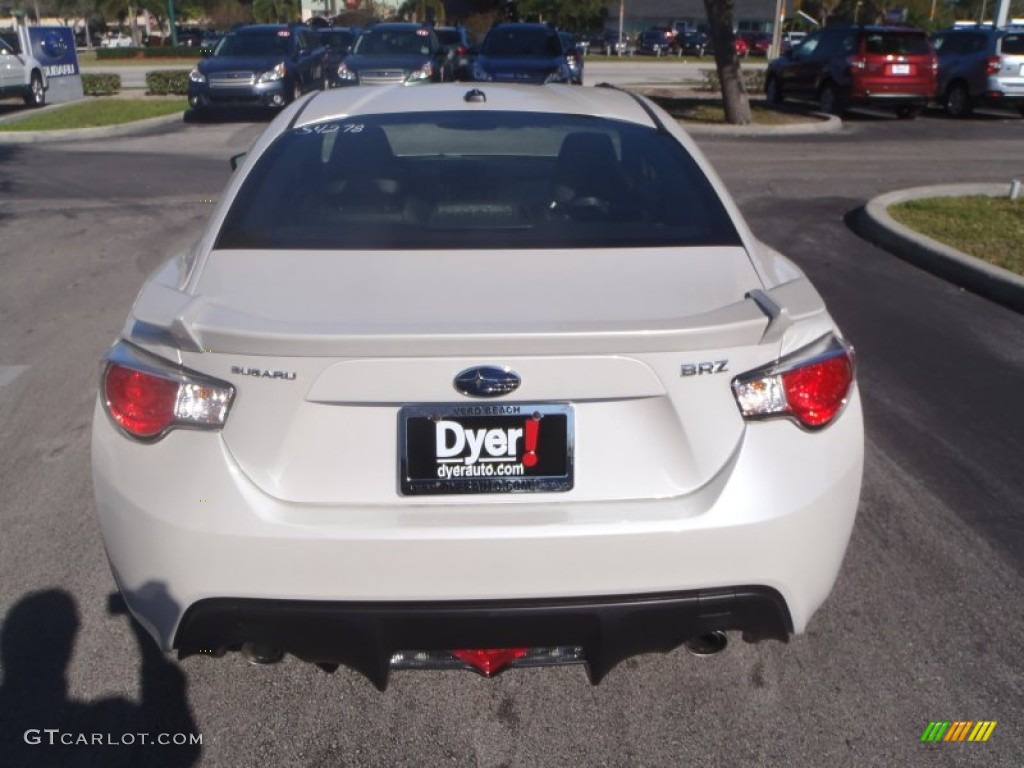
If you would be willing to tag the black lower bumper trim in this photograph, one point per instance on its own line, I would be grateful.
(364, 636)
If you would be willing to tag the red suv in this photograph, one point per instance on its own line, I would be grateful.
(844, 66)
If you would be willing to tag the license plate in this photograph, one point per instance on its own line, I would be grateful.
(901, 69)
(508, 448)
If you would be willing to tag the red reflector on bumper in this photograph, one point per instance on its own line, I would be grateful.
(489, 661)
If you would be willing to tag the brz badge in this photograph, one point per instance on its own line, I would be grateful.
(699, 369)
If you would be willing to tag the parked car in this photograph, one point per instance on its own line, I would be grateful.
(461, 46)
(758, 43)
(120, 40)
(980, 66)
(190, 36)
(694, 43)
(573, 57)
(21, 75)
(842, 66)
(209, 41)
(609, 44)
(338, 42)
(396, 52)
(791, 39)
(260, 65)
(522, 53)
(656, 41)
(384, 414)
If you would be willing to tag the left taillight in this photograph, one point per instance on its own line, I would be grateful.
(148, 397)
(811, 386)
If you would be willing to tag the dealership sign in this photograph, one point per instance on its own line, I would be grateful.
(54, 49)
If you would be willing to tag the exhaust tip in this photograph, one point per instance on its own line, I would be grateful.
(708, 644)
(260, 654)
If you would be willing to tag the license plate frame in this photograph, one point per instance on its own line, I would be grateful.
(900, 69)
(461, 449)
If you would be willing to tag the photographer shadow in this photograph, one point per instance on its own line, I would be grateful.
(40, 725)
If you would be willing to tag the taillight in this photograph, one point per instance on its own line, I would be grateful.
(857, 62)
(993, 64)
(811, 386)
(147, 398)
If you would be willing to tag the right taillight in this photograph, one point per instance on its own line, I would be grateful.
(811, 386)
(147, 397)
(993, 64)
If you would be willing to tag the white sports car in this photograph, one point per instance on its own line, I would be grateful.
(475, 377)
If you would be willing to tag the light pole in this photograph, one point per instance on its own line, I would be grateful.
(173, 22)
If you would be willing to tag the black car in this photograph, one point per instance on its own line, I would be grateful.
(262, 65)
(693, 43)
(609, 43)
(395, 52)
(657, 41)
(338, 41)
(461, 47)
(522, 53)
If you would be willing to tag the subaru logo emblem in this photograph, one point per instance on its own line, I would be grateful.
(487, 381)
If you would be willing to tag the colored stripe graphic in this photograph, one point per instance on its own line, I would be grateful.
(958, 730)
(982, 730)
(935, 730)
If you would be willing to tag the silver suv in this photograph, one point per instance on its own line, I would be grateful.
(21, 75)
(980, 65)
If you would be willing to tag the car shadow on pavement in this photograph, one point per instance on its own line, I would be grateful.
(40, 725)
(233, 115)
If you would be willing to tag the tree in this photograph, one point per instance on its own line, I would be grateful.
(734, 95)
(275, 11)
(566, 14)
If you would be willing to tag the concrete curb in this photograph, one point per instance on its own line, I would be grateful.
(823, 124)
(136, 127)
(992, 282)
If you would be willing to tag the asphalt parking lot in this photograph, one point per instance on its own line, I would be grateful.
(924, 623)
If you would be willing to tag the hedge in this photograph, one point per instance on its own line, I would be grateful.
(161, 82)
(170, 52)
(100, 84)
(117, 53)
(156, 52)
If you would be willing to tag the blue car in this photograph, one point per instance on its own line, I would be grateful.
(523, 53)
(263, 65)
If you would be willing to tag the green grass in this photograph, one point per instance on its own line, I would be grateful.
(989, 228)
(87, 61)
(92, 113)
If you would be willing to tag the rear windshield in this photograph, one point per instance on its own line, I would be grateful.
(394, 42)
(1013, 44)
(483, 180)
(897, 43)
(512, 42)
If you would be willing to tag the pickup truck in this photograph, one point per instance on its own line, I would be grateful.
(21, 75)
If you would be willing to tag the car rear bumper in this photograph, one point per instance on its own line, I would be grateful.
(366, 636)
(184, 527)
(890, 98)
